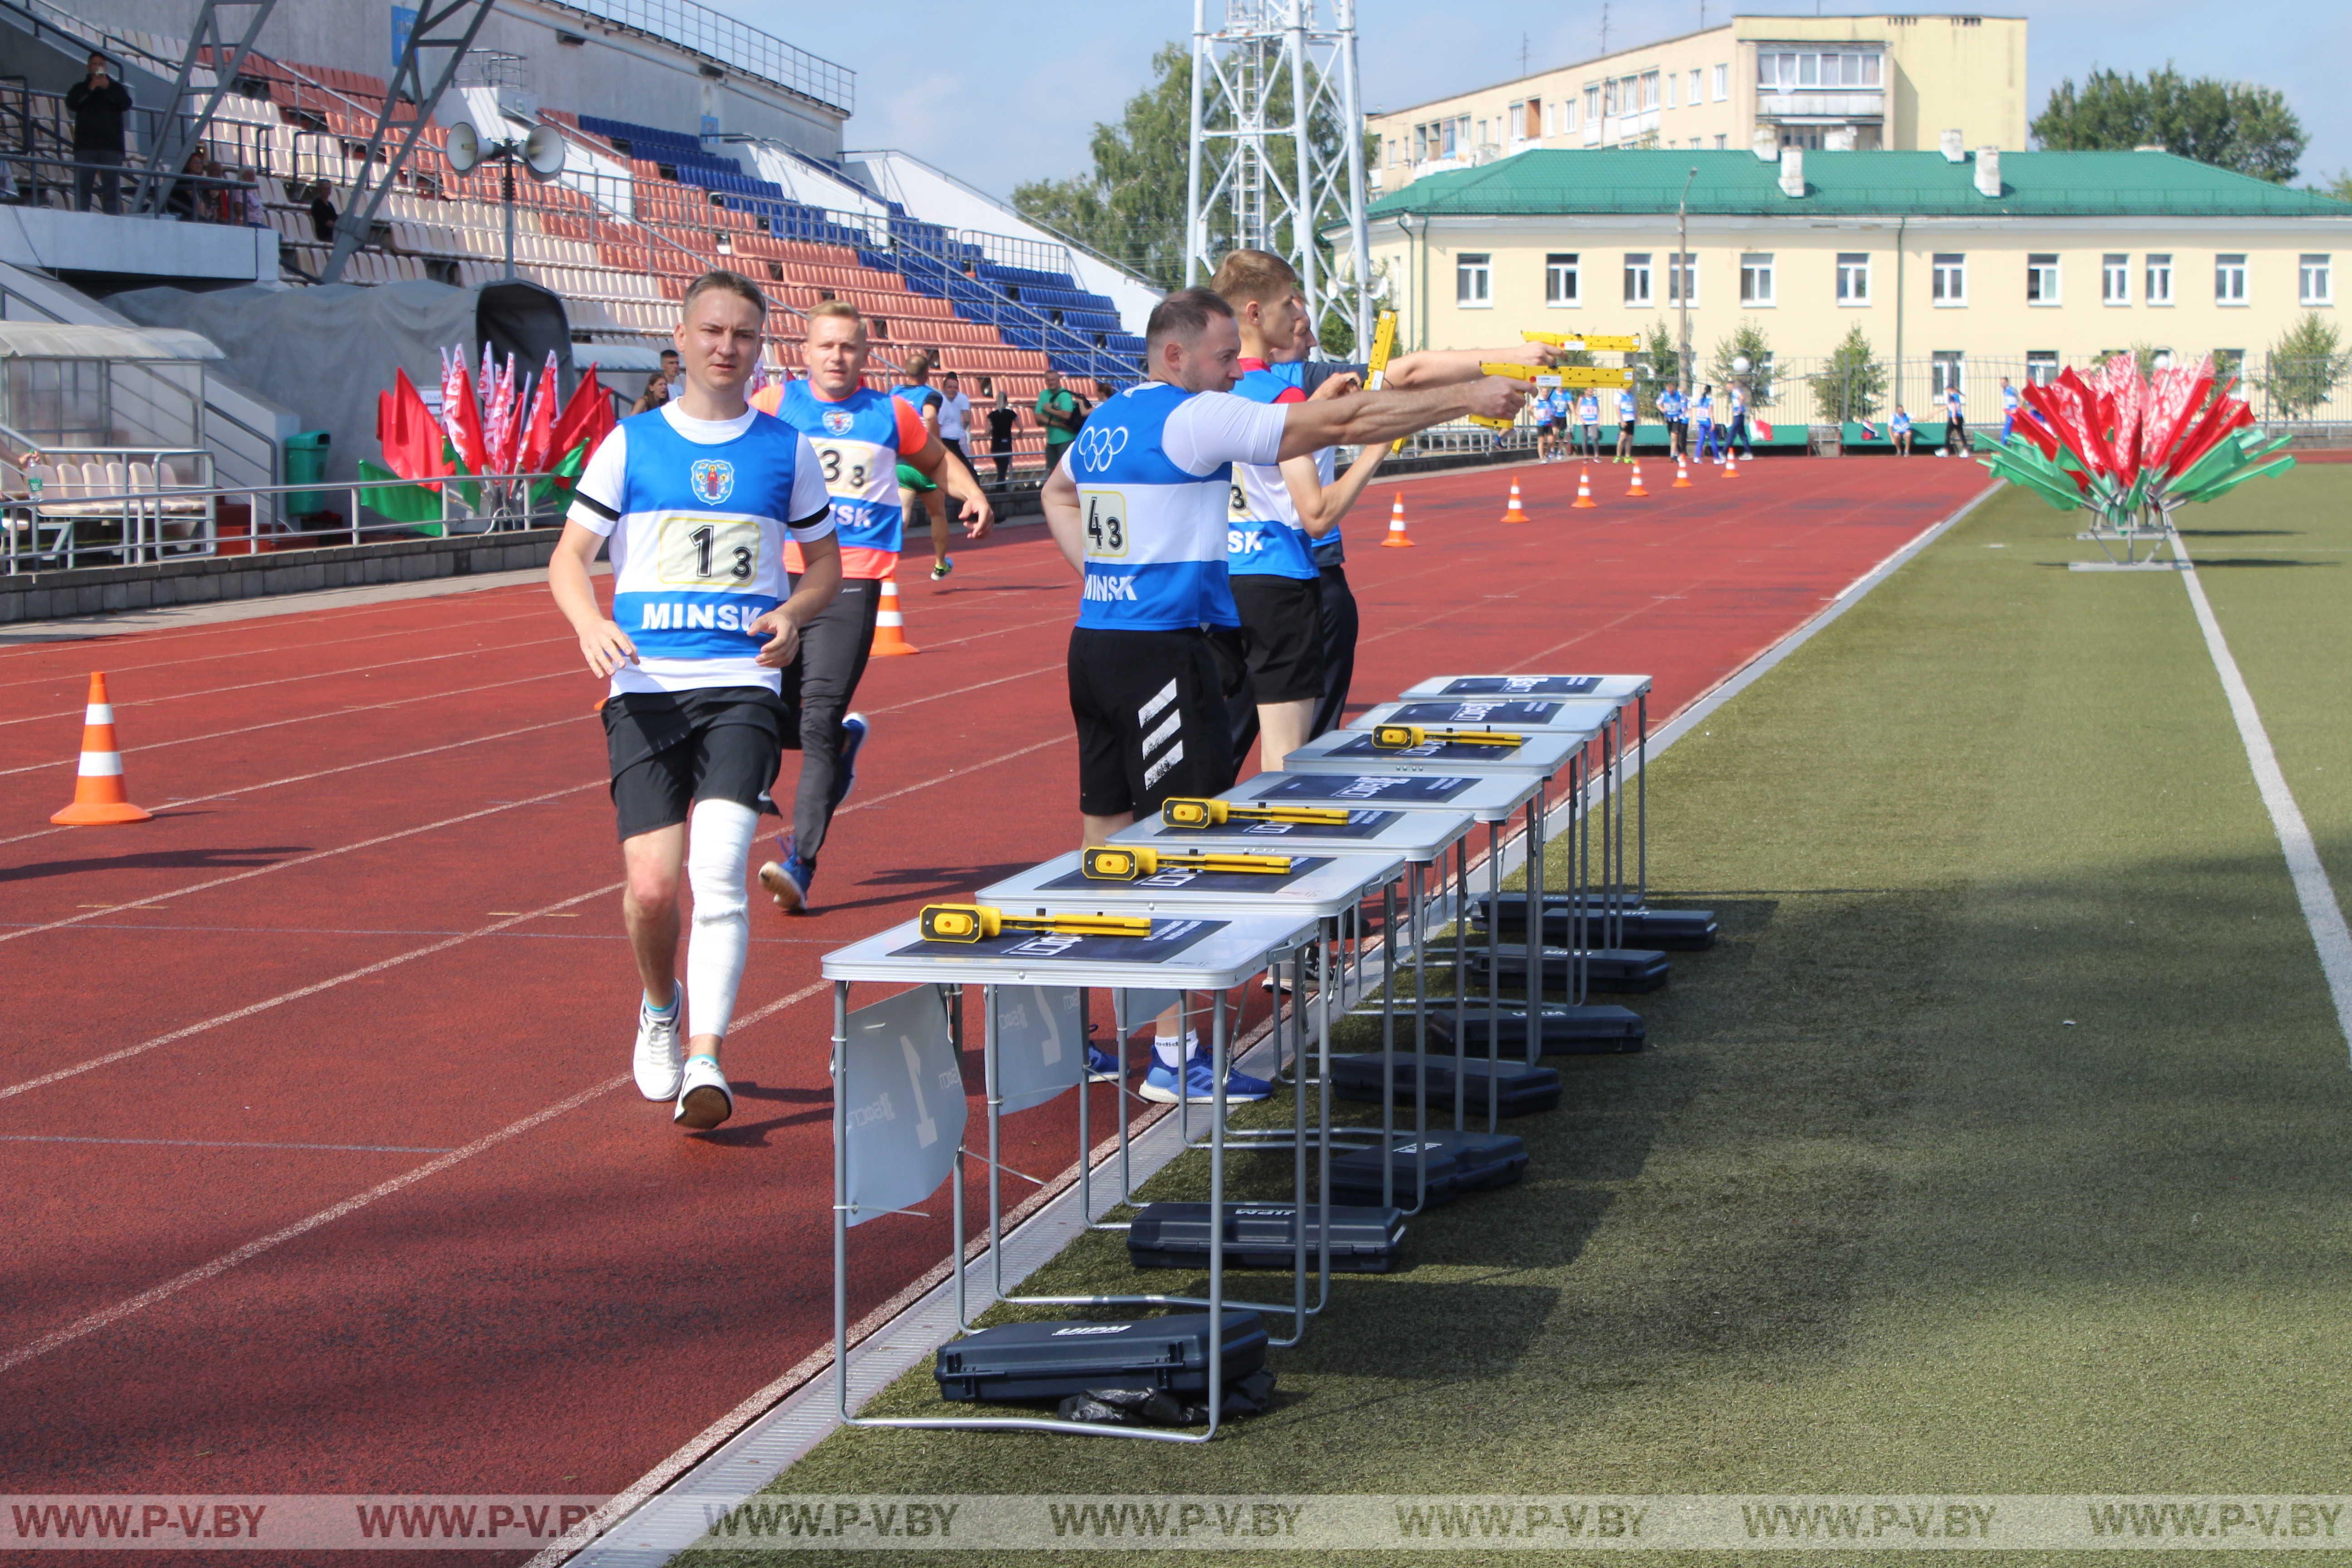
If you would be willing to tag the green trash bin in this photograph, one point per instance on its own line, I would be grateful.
(306, 464)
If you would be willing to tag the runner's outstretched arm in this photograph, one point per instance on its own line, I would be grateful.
(931, 460)
(1321, 507)
(1371, 416)
(1444, 367)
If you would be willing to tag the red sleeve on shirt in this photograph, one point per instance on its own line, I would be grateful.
(911, 434)
(1290, 395)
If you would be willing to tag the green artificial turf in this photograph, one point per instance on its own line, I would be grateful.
(1999, 1147)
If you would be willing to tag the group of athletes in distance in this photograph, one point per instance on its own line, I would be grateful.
(1691, 430)
(748, 538)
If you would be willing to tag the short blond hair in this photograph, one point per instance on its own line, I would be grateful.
(1258, 275)
(839, 309)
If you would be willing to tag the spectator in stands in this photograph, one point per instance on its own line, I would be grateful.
(323, 215)
(955, 418)
(672, 375)
(1004, 419)
(98, 104)
(192, 203)
(655, 394)
(1057, 411)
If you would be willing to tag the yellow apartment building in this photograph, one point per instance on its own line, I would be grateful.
(1834, 83)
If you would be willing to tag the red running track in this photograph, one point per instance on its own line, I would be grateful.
(321, 1175)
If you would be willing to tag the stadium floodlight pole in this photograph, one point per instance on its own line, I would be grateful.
(1683, 272)
(1302, 217)
(447, 29)
(1351, 120)
(1196, 244)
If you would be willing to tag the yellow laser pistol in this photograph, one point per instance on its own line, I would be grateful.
(976, 923)
(1566, 375)
(1590, 341)
(1123, 864)
(1404, 737)
(1183, 812)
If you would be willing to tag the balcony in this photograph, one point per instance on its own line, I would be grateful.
(1805, 106)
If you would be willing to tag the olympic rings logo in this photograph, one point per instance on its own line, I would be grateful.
(1097, 445)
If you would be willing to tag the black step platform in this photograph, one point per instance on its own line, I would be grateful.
(1264, 1235)
(1594, 1030)
(1458, 1162)
(1520, 1089)
(1624, 970)
(1049, 1361)
(1672, 930)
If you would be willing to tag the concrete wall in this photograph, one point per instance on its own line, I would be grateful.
(612, 73)
(52, 240)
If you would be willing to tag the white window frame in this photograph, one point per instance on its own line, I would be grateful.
(1594, 107)
(1473, 279)
(1668, 84)
(1722, 83)
(1682, 271)
(1638, 280)
(1568, 266)
(1947, 280)
(1697, 88)
(2157, 270)
(1756, 283)
(2115, 278)
(1720, 139)
(1946, 369)
(1649, 89)
(1853, 268)
(2229, 291)
(2038, 360)
(2043, 286)
(2317, 266)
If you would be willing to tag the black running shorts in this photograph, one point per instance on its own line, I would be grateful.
(669, 749)
(1152, 711)
(1282, 636)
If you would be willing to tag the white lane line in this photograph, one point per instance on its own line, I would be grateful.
(2321, 911)
(81, 1328)
(264, 1005)
(105, 1317)
(226, 1144)
(152, 898)
(297, 719)
(952, 774)
(371, 666)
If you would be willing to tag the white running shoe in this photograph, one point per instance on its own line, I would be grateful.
(704, 1099)
(658, 1057)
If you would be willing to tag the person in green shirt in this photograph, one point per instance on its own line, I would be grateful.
(1057, 411)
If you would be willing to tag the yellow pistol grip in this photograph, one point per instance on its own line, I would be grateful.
(958, 922)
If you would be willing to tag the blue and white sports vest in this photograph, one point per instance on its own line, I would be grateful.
(697, 550)
(1327, 550)
(1263, 536)
(1155, 535)
(857, 441)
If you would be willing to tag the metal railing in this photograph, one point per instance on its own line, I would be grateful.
(731, 43)
(115, 516)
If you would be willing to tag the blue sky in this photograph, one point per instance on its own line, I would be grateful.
(1000, 94)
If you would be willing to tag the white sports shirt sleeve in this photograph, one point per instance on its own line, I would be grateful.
(810, 517)
(597, 499)
(1211, 429)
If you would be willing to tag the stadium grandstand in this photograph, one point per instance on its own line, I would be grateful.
(638, 210)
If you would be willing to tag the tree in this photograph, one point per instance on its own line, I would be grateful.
(1660, 365)
(2340, 187)
(1852, 382)
(1132, 208)
(2232, 125)
(1747, 341)
(2301, 370)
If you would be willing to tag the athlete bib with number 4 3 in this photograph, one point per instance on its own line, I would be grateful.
(1106, 517)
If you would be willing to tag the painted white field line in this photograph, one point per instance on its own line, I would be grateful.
(106, 1317)
(951, 774)
(394, 961)
(2321, 911)
(133, 704)
(103, 910)
(226, 1144)
(68, 762)
(214, 657)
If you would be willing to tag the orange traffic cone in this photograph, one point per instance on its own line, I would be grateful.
(1398, 539)
(1730, 465)
(1635, 489)
(1682, 475)
(1515, 514)
(889, 625)
(1583, 490)
(98, 797)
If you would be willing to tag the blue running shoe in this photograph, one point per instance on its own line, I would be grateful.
(1200, 1084)
(853, 730)
(1101, 1066)
(787, 880)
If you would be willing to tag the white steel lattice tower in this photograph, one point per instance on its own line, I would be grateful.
(1267, 76)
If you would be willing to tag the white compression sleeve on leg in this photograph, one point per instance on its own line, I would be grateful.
(718, 846)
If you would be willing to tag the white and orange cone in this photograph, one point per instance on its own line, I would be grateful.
(1682, 475)
(99, 798)
(1635, 488)
(1583, 490)
(1515, 514)
(1398, 538)
(889, 625)
(1730, 465)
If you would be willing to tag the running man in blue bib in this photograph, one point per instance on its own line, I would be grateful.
(1587, 415)
(1674, 409)
(695, 500)
(1139, 506)
(2009, 401)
